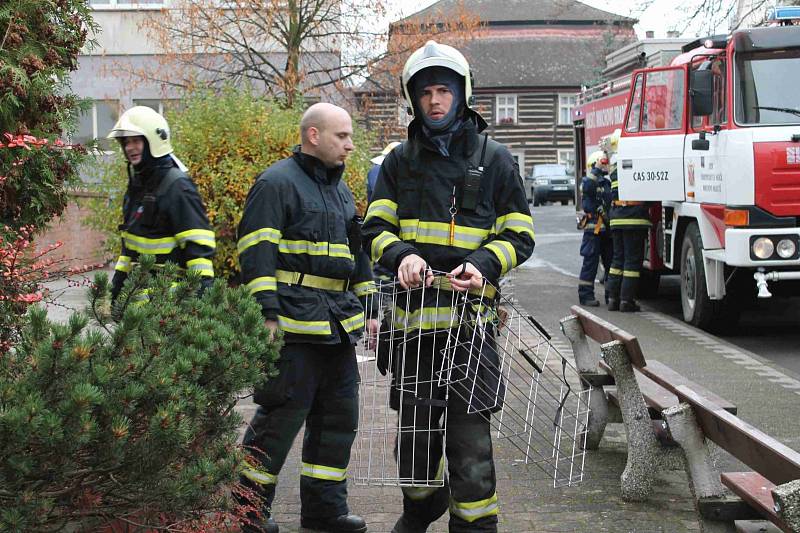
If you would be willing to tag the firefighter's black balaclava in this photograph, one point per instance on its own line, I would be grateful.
(439, 76)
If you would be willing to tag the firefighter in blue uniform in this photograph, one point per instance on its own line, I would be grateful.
(630, 222)
(451, 200)
(301, 258)
(596, 243)
(163, 214)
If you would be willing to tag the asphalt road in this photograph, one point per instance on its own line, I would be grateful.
(770, 329)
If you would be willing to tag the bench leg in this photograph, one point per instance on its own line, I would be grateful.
(644, 452)
(586, 361)
(787, 503)
(685, 431)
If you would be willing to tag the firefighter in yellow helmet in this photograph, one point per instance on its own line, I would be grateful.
(596, 243)
(163, 214)
(372, 175)
(459, 199)
(630, 222)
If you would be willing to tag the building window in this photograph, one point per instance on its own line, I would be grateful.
(96, 122)
(567, 158)
(566, 103)
(126, 4)
(506, 108)
(403, 118)
(519, 158)
(162, 106)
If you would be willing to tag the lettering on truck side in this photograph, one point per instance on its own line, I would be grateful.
(651, 175)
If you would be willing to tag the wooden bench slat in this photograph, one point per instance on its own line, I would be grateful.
(775, 461)
(599, 379)
(754, 526)
(602, 331)
(669, 379)
(756, 490)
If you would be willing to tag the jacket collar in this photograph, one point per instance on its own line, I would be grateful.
(466, 137)
(316, 169)
(149, 175)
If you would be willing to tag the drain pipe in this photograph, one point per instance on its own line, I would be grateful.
(762, 278)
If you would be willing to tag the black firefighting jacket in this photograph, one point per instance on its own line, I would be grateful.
(627, 214)
(164, 216)
(596, 198)
(300, 251)
(410, 212)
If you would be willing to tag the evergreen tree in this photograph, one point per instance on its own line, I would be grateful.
(132, 421)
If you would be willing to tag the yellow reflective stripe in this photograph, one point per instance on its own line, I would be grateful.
(380, 243)
(353, 323)
(471, 511)
(258, 475)
(260, 235)
(408, 229)
(385, 209)
(123, 264)
(614, 271)
(323, 472)
(199, 236)
(264, 283)
(505, 253)
(420, 493)
(630, 274)
(144, 245)
(518, 222)
(310, 280)
(314, 248)
(439, 233)
(629, 222)
(204, 266)
(615, 184)
(425, 318)
(364, 288)
(304, 327)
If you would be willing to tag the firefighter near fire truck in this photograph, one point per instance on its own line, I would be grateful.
(163, 214)
(449, 200)
(301, 258)
(596, 243)
(712, 139)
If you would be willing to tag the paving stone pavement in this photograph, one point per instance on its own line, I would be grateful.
(595, 505)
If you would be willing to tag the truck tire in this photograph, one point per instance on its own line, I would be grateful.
(698, 309)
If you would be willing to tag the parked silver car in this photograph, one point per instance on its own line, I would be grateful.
(550, 183)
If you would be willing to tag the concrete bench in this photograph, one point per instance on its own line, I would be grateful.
(662, 409)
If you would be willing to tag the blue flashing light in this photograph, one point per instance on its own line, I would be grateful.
(785, 13)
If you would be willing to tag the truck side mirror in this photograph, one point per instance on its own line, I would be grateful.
(701, 85)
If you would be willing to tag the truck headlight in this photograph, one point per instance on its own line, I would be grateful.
(763, 248)
(786, 248)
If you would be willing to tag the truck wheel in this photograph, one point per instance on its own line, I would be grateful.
(698, 309)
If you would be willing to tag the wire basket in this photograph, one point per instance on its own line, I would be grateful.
(435, 346)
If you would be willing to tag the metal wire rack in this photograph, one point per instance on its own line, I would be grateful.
(435, 346)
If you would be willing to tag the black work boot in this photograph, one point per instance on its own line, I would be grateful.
(613, 304)
(406, 524)
(264, 525)
(347, 523)
(629, 306)
(590, 303)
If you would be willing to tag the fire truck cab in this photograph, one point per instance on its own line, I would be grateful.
(713, 141)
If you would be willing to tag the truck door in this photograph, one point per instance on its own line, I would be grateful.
(650, 159)
(705, 162)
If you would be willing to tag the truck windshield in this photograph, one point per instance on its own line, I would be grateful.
(766, 87)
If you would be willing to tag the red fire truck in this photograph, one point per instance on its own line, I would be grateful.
(713, 141)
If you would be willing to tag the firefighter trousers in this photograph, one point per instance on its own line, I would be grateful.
(626, 265)
(430, 415)
(594, 248)
(317, 384)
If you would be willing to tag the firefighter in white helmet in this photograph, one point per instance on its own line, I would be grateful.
(596, 243)
(163, 214)
(462, 195)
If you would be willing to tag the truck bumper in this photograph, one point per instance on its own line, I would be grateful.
(738, 247)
